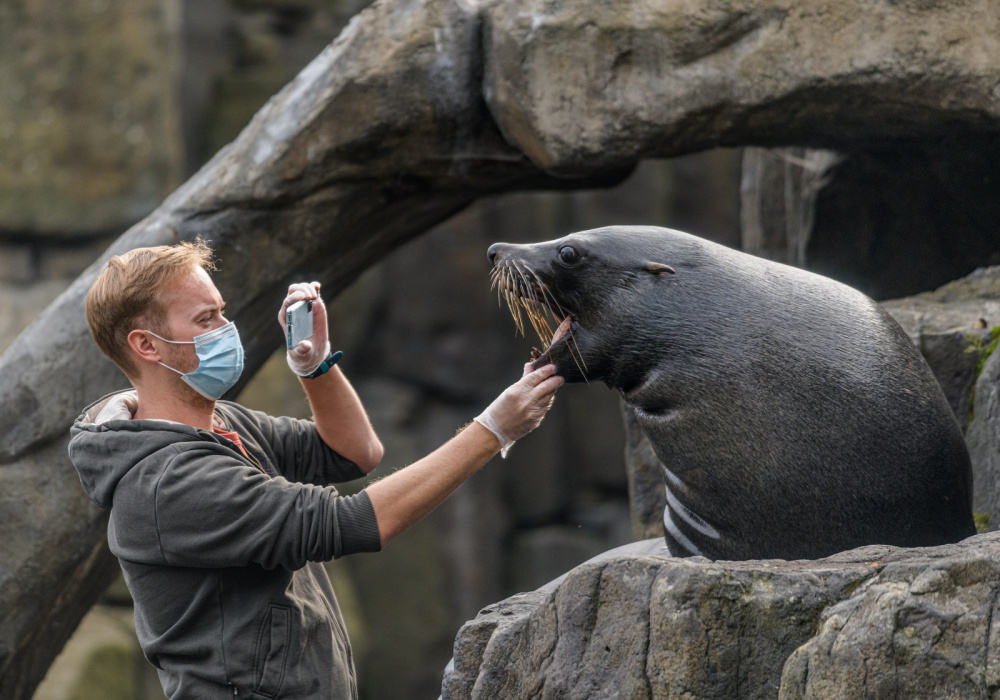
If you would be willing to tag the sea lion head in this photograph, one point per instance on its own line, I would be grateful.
(588, 295)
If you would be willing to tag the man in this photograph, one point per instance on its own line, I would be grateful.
(220, 515)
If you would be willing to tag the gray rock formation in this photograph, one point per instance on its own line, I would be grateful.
(89, 130)
(954, 326)
(983, 438)
(922, 627)
(891, 219)
(416, 110)
(874, 622)
(577, 84)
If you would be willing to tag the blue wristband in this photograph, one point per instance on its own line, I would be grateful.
(325, 366)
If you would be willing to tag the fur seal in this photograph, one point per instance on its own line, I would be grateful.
(793, 416)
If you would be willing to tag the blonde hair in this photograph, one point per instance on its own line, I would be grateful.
(127, 295)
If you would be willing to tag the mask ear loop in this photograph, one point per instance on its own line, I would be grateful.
(175, 342)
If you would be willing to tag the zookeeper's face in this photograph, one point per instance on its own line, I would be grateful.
(194, 306)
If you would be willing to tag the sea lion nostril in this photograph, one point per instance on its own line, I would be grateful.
(492, 252)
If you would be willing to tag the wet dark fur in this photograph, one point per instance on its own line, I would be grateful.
(794, 417)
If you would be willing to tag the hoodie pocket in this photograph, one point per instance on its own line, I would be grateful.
(272, 650)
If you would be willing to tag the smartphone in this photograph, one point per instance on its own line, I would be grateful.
(299, 322)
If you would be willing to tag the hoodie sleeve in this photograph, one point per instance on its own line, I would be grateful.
(305, 457)
(214, 511)
(300, 453)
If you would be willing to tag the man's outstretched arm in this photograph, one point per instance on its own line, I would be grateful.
(404, 497)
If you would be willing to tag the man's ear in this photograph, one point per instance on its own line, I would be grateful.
(142, 346)
(659, 268)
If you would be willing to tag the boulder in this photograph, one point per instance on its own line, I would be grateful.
(922, 627)
(577, 85)
(874, 622)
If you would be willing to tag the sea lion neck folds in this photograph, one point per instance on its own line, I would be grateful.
(794, 417)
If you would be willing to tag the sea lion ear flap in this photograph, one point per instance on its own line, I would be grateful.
(659, 268)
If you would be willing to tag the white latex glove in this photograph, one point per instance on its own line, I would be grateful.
(521, 407)
(308, 355)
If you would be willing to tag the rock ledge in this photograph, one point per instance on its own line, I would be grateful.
(874, 622)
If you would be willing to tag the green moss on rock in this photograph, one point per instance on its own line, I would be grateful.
(994, 339)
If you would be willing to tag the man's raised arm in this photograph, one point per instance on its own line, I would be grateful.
(340, 418)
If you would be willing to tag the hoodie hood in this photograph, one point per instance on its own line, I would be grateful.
(106, 443)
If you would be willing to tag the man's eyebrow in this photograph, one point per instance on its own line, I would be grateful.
(210, 307)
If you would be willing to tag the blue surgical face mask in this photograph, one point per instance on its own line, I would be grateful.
(220, 361)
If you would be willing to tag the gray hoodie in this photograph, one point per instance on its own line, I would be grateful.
(220, 552)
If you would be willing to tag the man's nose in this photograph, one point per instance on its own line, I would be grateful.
(492, 252)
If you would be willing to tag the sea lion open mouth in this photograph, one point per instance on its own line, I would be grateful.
(523, 290)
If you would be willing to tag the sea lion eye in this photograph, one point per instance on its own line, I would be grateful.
(568, 255)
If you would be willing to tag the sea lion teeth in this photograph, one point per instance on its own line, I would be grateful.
(562, 329)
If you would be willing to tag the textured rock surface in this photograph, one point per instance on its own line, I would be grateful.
(923, 627)
(891, 219)
(954, 328)
(891, 623)
(983, 438)
(578, 84)
(89, 125)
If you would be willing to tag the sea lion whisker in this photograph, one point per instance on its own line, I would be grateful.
(549, 300)
(528, 299)
(509, 296)
(532, 315)
(500, 288)
(516, 309)
(552, 311)
(576, 361)
(512, 306)
(545, 324)
(573, 355)
(548, 296)
(544, 330)
(527, 282)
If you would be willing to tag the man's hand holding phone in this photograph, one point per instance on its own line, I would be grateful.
(307, 349)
